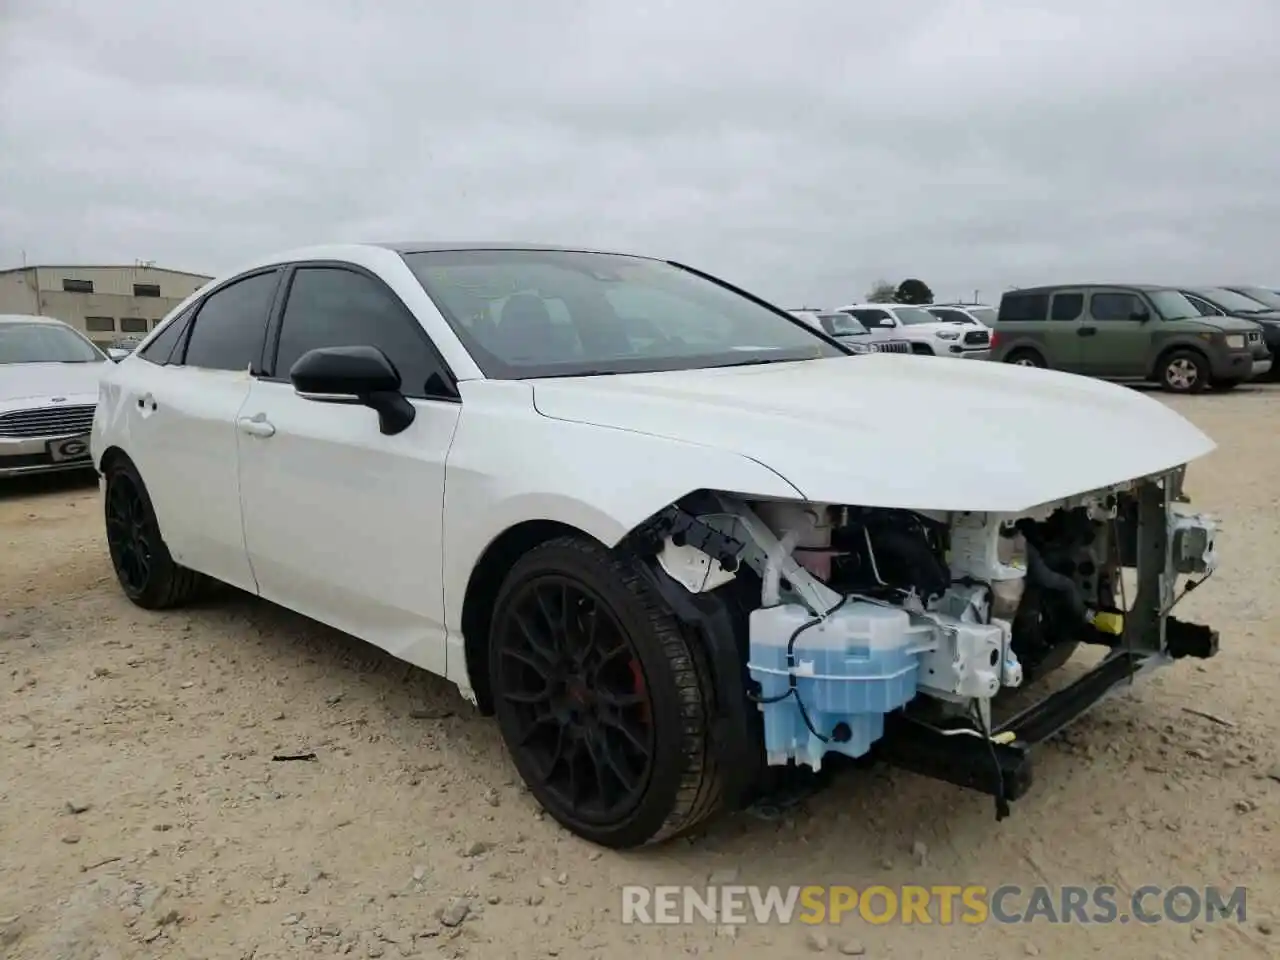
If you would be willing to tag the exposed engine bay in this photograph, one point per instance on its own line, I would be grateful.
(855, 614)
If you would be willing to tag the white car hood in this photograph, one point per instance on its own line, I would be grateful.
(899, 431)
(42, 381)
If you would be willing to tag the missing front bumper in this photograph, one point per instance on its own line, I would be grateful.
(1001, 767)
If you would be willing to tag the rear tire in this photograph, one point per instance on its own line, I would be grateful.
(146, 570)
(604, 702)
(1183, 371)
(1026, 358)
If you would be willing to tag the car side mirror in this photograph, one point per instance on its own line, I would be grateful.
(1141, 316)
(356, 375)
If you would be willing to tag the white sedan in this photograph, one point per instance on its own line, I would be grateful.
(675, 539)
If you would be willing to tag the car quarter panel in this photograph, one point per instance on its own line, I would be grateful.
(177, 425)
(508, 464)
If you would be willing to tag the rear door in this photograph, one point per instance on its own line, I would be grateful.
(1116, 337)
(344, 524)
(182, 402)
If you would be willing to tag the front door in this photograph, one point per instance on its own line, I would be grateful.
(1118, 324)
(342, 523)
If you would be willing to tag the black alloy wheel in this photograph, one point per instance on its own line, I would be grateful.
(571, 677)
(604, 698)
(146, 570)
(130, 535)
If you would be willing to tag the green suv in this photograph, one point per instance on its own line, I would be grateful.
(1126, 332)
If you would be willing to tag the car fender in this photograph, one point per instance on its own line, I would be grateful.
(509, 465)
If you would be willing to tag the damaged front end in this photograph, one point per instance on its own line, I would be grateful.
(888, 633)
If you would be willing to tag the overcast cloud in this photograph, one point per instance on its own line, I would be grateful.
(803, 150)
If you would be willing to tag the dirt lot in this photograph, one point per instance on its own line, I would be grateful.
(141, 813)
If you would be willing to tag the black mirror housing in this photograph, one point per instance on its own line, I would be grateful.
(357, 375)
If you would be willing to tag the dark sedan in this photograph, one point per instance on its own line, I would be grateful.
(1225, 301)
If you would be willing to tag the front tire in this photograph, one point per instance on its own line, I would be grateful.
(147, 572)
(1184, 371)
(602, 699)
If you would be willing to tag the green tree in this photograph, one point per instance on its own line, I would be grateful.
(913, 291)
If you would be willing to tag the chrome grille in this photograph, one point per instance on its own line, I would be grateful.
(892, 346)
(47, 421)
(977, 338)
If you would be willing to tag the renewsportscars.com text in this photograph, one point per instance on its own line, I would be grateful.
(938, 904)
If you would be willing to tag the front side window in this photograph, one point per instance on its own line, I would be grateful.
(873, 319)
(913, 315)
(1115, 306)
(229, 328)
(540, 313)
(842, 325)
(45, 343)
(333, 307)
(949, 316)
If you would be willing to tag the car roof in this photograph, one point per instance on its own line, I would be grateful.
(6, 318)
(1053, 287)
(441, 246)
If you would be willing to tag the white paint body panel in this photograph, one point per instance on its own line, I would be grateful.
(960, 436)
(344, 524)
(379, 535)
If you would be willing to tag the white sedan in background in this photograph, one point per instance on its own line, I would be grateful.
(48, 388)
(665, 531)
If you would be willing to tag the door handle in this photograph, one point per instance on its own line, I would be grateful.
(256, 426)
(1086, 331)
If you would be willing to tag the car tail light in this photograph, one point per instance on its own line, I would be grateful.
(991, 344)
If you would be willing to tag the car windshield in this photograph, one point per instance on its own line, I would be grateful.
(1172, 305)
(843, 325)
(1231, 301)
(45, 343)
(913, 315)
(553, 313)
(1268, 298)
(984, 314)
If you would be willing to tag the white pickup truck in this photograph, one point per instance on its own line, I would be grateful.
(928, 335)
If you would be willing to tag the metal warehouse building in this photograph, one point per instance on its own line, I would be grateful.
(104, 302)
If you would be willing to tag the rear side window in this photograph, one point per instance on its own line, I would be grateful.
(873, 318)
(1022, 307)
(333, 307)
(1067, 306)
(1114, 306)
(161, 349)
(231, 325)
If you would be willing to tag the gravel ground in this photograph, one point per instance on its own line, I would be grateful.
(141, 813)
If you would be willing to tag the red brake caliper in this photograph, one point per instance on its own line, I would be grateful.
(638, 687)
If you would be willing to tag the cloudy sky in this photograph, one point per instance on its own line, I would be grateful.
(803, 149)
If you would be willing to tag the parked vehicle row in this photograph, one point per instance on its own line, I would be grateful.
(49, 374)
(655, 525)
(1181, 339)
